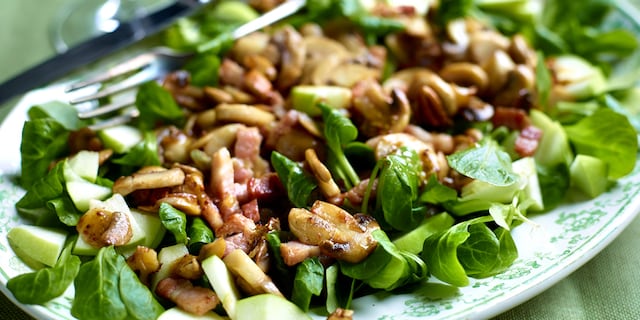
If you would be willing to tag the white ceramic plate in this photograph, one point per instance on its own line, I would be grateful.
(558, 243)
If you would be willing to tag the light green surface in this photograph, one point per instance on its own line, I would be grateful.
(608, 287)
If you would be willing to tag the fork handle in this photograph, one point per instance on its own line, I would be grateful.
(276, 14)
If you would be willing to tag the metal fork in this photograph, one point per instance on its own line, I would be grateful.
(155, 64)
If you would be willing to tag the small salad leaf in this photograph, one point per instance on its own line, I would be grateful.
(338, 132)
(156, 105)
(47, 202)
(204, 69)
(554, 183)
(199, 235)
(340, 289)
(98, 297)
(45, 284)
(437, 193)
(280, 273)
(543, 81)
(48, 187)
(486, 252)
(609, 136)
(399, 177)
(296, 181)
(308, 282)
(145, 153)
(486, 162)
(138, 300)
(44, 140)
(469, 248)
(454, 9)
(65, 210)
(387, 267)
(105, 288)
(63, 113)
(175, 221)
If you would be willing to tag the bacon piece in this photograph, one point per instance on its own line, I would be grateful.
(266, 187)
(527, 141)
(294, 252)
(222, 184)
(210, 213)
(190, 298)
(234, 224)
(512, 118)
(251, 210)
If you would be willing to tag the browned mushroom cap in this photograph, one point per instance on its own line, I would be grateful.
(145, 262)
(158, 178)
(380, 113)
(338, 233)
(483, 44)
(413, 79)
(100, 227)
(498, 67)
(466, 74)
(292, 56)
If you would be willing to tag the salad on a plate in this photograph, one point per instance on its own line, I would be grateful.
(357, 147)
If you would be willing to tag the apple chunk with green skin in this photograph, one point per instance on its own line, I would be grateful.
(120, 138)
(305, 98)
(37, 244)
(268, 306)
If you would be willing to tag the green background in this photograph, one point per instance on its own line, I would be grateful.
(607, 287)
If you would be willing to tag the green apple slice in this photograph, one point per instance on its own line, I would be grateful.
(39, 244)
(85, 164)
(82, 192)
(268, 306)
(120, 138)
(222, 283)
(589, 175)
(305, 98)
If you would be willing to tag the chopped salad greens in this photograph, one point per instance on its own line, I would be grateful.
(242, 188)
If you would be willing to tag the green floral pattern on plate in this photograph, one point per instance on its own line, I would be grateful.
(556, 244)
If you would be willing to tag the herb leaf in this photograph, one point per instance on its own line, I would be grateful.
(156, 105)
(609, 136)
(45, 284)
(486, 162)
(296, 181)
(175, 221)
(308, 282)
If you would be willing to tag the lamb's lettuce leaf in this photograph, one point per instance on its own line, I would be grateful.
(175, 221)
(40, 286)
(469, 248)
(116, 293)
(44, 140)
(308, 282)
(297, 182)
(609, 136)
(485, 162)
(156, 106)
